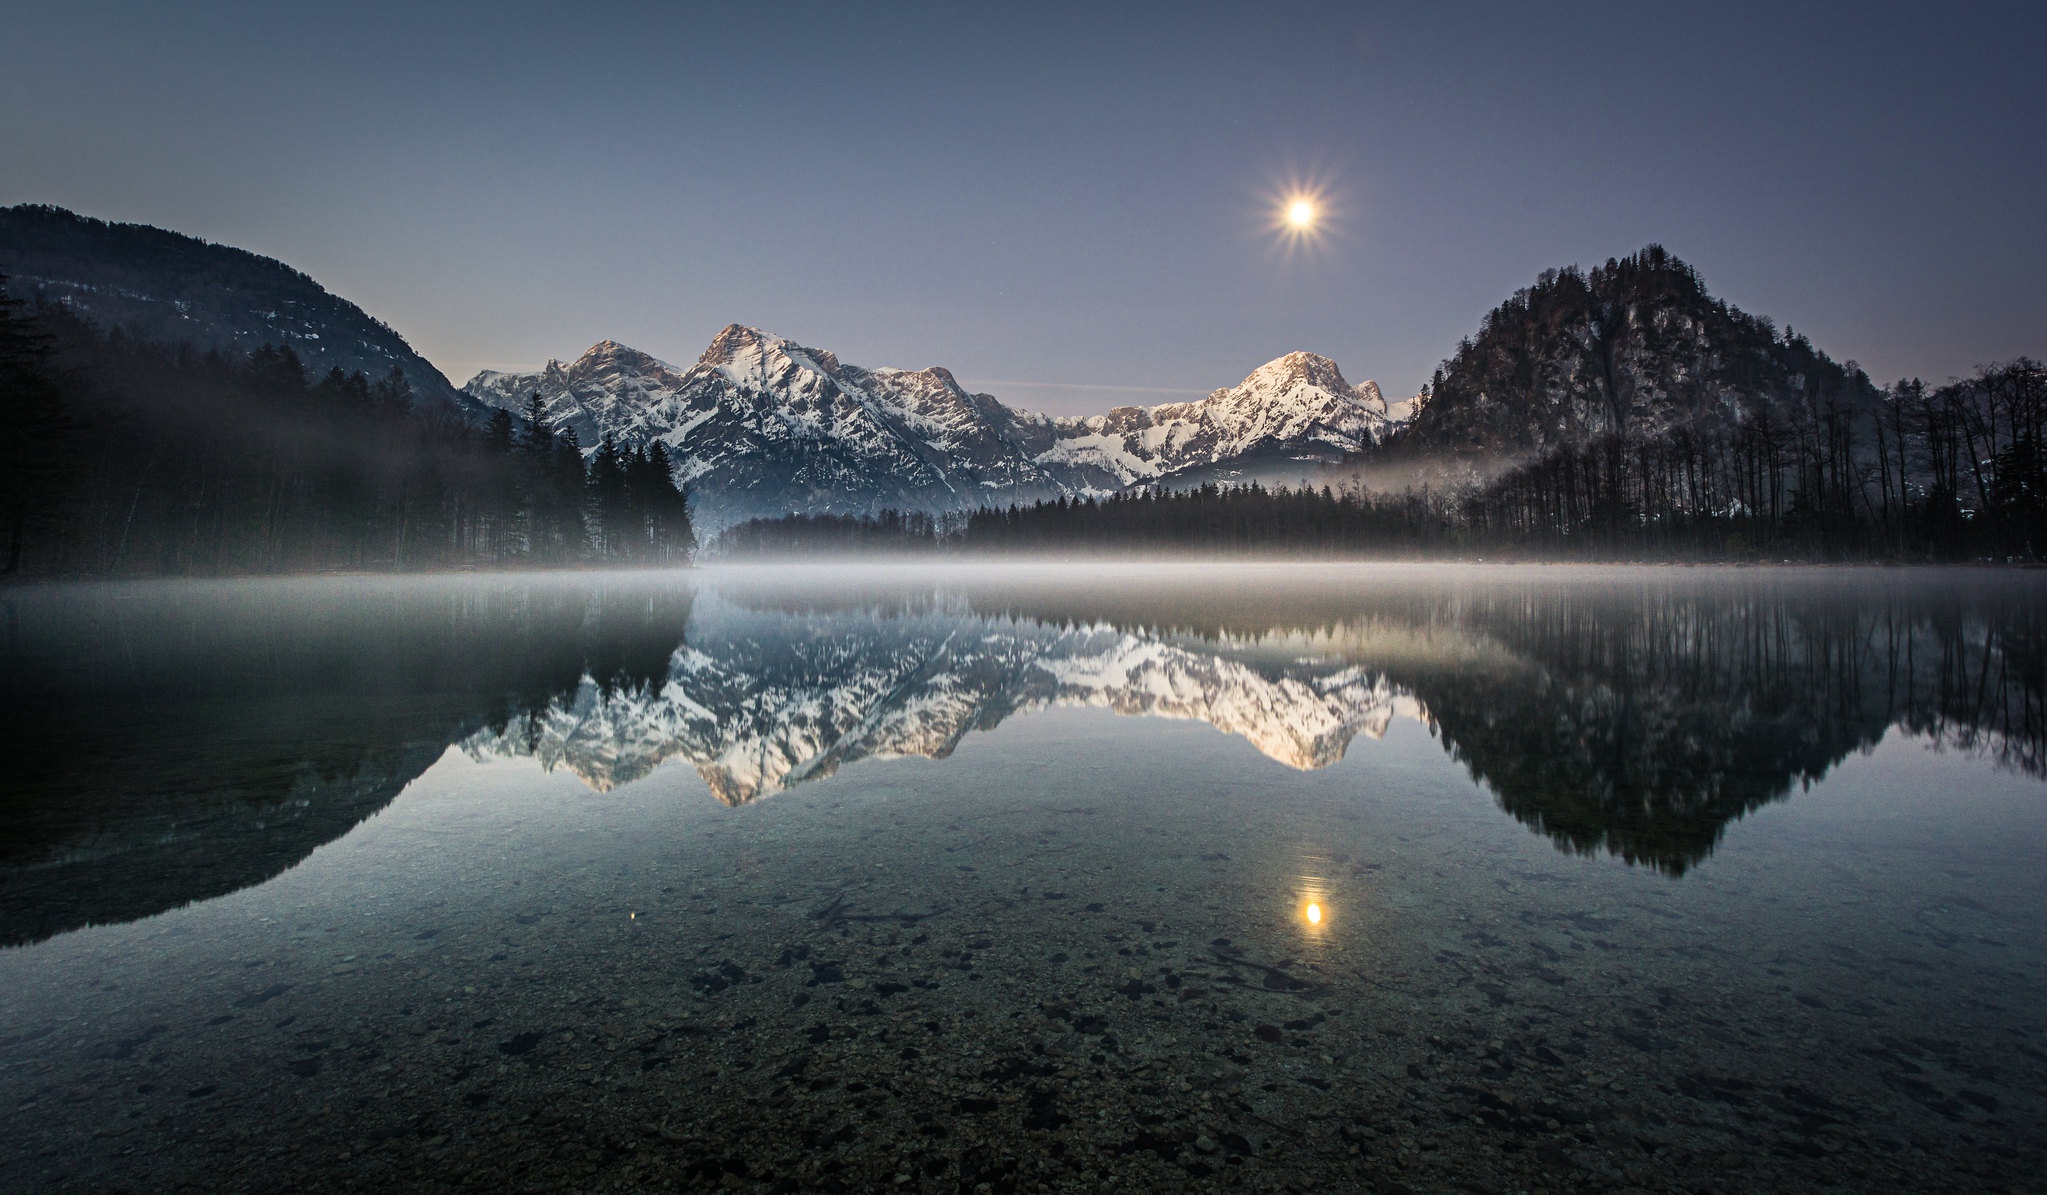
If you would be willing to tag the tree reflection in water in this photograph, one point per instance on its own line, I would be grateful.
(176, 742)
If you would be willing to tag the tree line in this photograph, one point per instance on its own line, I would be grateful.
(1774, 493)
(127, 457)
(826, 534)
(1211, 519)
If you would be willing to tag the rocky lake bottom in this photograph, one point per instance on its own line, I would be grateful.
(1081, 950)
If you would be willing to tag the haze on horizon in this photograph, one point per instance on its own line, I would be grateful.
(1073, 209)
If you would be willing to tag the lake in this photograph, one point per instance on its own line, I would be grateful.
(995, 878)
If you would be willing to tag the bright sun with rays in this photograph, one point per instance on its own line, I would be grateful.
(1302, 215)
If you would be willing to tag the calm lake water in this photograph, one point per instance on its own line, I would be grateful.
(1002, 879)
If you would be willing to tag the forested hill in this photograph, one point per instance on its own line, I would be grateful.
(173, 289)
(1634, 351)
(1624, 410)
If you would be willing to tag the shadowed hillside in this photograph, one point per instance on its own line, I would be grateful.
(164, 286)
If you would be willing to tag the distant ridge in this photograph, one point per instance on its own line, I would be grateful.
(164, 286)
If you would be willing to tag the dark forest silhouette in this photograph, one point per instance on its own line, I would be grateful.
(126, 457)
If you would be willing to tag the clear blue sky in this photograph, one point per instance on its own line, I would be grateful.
(1075, 196)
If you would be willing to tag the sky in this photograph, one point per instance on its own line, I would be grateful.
(1071, 207)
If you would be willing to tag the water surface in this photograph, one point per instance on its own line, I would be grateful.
(1349, 877)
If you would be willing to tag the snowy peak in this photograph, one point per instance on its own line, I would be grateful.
(750, 355)
(735, 342)
(1304, 382)
(732, 341)
(608, 361)
(1298, 369)
(761, 425)
(610, 355)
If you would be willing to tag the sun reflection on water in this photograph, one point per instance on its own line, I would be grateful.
(1312, 910)
(1311, 885)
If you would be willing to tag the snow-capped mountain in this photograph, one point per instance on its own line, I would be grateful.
(759, 701)
(1296, 408)
(763, 426)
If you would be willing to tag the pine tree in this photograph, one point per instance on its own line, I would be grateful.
(539, 437)
(675, 539)
(391, 397)
(36, 461)
(610, 509)
(498, 434)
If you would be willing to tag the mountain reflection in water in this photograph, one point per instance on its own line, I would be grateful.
(178, 742)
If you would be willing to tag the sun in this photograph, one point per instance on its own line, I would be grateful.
(1303, 214)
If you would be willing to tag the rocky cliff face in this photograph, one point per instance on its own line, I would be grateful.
(763, 426)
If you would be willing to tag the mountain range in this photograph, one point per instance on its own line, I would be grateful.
(1631, 360)
(760, 425)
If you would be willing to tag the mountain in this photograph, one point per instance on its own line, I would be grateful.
(1634, 350)
(167, 287)
(1295, 409)
(763, 426)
